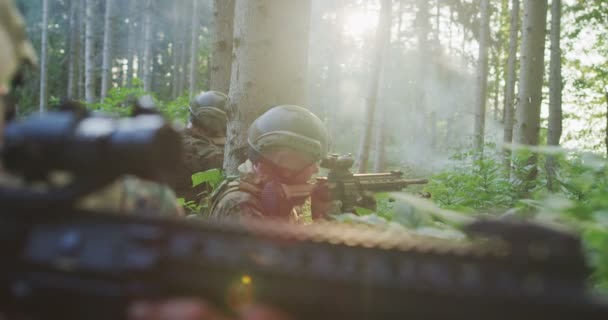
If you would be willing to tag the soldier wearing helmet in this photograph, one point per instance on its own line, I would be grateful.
(203, 139)
(285, 145)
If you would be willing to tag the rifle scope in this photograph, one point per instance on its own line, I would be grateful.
(144, 145)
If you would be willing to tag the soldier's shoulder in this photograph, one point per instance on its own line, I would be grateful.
(234, 200)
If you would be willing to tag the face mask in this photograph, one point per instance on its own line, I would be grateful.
(279, 199)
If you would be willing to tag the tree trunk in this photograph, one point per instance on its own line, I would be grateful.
(380, 159)
(131, 42)
(106, 68)
(509, 103)
(183, 58)
(481, 88)
(383, 37)
(527, 123)
(44, 55)
(221, 54)
(147, 47)
(74, 51)
(82, 54)
(89, 73)
(271, 55)
(194, 49)
(554, 131)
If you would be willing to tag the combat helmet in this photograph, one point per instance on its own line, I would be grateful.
(291, 127)
(207, 111)
(15, 49)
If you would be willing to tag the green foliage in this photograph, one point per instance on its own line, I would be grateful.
(212, 178)
(473, 183)
(119, 101)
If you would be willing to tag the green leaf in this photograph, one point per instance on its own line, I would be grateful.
(212, 177)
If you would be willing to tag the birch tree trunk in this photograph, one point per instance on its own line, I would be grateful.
(271, 55)
(194, 48)
(481, 88)
(221, 54)
(147, 47)
(89, 72)
(527, 125)
(44, 55)
(555, 91)
(74, 50)
(383, 36)
(106, 67)
(509, 103)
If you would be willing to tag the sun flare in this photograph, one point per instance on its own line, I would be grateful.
(359, 22)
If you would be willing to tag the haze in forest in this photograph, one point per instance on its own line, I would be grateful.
(426, 85)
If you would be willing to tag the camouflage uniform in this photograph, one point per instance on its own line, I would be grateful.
(131, 195)
(240, 197)
(201, 153)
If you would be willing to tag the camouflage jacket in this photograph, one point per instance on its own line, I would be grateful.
(240, 197)
(131, 195)
(200, 154)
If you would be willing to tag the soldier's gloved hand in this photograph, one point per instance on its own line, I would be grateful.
(320, 201)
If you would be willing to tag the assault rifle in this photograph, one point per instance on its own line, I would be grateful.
(65, 263)
(351, 188)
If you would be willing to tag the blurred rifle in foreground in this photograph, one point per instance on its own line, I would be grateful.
(64, 263)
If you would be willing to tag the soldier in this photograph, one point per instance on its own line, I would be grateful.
(204, 140)
(285, 145)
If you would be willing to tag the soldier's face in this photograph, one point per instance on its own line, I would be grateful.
(291, 167)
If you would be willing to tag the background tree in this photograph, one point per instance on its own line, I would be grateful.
(482, 75)
(106, 67)
(271, 53)
(527, 126)
(554, 131)
(383, 35)
(194, 48)
(44, 55)
(89, 77)
(221, 55)
(509, 102)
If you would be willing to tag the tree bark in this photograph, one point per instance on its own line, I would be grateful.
(131, 42)
(554, 131)
(106, 68)
(89, 73)
(527, 123)
(509, 102)
(271, 55)
(44, 55)
(82, 52)
(481, 88)
(383, 37)
(194, 49)
(221, 54)
(147, 46)
(74, 51)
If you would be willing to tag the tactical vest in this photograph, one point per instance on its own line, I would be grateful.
(234, 184)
